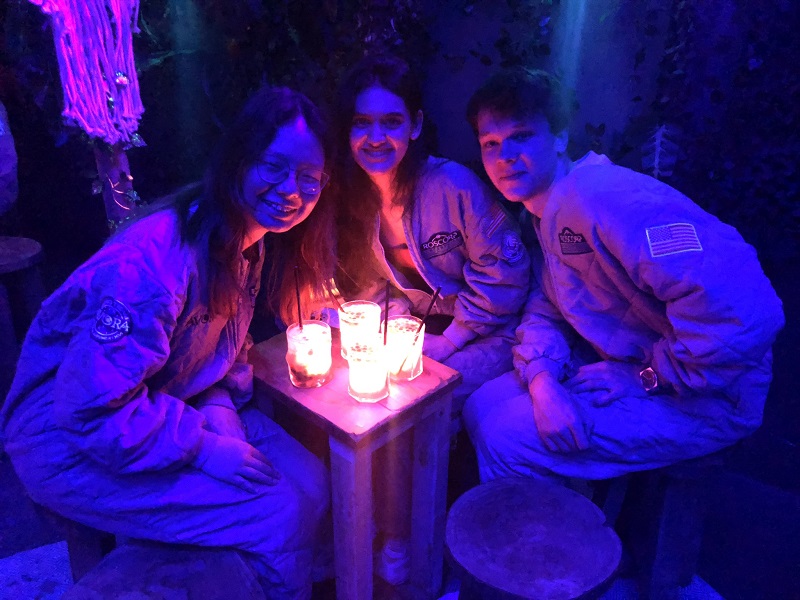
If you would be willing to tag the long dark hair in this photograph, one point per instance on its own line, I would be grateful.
(358, 198)
(217, 225)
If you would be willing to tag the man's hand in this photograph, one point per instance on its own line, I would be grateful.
(236, 462)
(438, 347)
(557, 419)
(607, 381)
(223, 421)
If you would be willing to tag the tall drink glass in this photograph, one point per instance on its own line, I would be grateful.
(308, 354)
(404, 355)
(359, 322)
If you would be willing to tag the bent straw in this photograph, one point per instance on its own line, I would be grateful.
(297, 291)
(386, 314)
(421, 323)
(336, 299)
(427, 313)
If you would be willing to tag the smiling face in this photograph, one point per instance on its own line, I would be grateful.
(277, 207)
(381, 131)
(521, 156)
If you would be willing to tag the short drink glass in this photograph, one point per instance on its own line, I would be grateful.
(359, 323)
(308, 354)
(367, 379)
(404, 355)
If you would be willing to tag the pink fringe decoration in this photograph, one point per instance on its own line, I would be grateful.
(93, 40)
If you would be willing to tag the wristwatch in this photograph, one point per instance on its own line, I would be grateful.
(649, 379)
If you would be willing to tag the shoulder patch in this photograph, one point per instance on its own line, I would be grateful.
(493, 222)
(573, 243)
(441, 243)
(112, 321)
(513, 248)
(665, 240)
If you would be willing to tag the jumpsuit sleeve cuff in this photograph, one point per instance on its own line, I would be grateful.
(533, 368)
(214, 396)
(208, 443)
(459, 334)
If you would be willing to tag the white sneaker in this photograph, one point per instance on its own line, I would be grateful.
(394, 562)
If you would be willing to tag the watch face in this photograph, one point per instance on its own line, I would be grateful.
(649, 379)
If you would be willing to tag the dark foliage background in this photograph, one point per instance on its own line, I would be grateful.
(727, 87)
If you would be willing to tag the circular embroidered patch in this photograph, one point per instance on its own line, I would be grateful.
(113, 321)
(513, 248)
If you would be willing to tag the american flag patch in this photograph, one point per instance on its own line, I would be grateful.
(672, 239)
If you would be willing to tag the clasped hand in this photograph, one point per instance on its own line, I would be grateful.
(236, 462)
(556, 414)
(223, 421)
(604, 382)
(232, 459)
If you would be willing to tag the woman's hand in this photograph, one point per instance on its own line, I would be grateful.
(437, 347)
(236, 462)
(558, 422)
(223, 421)
(607, 381)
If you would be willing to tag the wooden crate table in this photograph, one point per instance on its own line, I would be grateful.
(355, 431)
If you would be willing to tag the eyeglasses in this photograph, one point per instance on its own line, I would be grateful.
(275, 169)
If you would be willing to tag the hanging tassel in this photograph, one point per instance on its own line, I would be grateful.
(93, 40)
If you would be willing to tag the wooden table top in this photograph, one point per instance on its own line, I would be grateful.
(331, 407)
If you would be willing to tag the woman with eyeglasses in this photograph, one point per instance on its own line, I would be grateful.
(128, 412)
(421, 222)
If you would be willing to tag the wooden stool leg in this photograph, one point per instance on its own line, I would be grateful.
(32, 292)
(87, 547)
(26, 294)
(8, 342)
(609, 495)
(679, 537)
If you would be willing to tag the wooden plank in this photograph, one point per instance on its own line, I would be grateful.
(351, 488)
(431, 451)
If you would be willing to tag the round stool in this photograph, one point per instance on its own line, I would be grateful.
(21, 295)
(522, 538)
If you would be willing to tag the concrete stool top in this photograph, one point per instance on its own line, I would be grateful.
(18, 253)
(532, 539)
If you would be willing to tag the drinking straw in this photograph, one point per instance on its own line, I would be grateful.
(336, 299)
(427, 312)
(386, 314)
(421, 323)
(297, 291)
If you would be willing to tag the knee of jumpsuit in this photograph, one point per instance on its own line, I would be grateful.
(480, 361)
(499, 421)
(304, 473)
